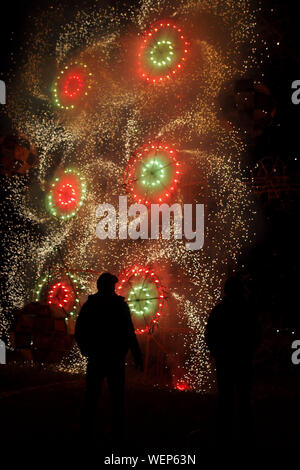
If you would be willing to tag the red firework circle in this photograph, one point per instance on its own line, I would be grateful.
(72, 85)
(61, 295)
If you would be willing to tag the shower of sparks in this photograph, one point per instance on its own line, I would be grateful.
(98, 137)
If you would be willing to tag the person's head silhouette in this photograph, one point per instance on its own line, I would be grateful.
(106, 282)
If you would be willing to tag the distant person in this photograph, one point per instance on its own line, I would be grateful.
(232, 334)
(104, 332)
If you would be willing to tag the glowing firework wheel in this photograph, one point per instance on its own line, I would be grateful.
(163, 52)
(152, 174)
(67, 194)
(72, 85)
(145, 296)
(60, 291)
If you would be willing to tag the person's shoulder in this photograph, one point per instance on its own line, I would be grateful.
(87, 307)
(120, 298)
(218, 308)
(218, 312)
(91, 300)
(121, 303)
(92, 297)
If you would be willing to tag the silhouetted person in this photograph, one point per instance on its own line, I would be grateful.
(232, 334)
(104, 333)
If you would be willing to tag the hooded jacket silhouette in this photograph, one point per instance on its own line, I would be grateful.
(104, 330)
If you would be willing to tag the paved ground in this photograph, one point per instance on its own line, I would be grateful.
(40, 409)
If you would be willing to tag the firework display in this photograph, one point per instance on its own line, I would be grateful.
(61, 291)
(145, 296)
(67, 194)
(152, 174)
(163, 52)
(185, 134)
(72, 85)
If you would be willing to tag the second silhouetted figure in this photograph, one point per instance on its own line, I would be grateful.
(232, 334)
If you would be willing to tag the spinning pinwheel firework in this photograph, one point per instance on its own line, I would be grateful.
(61, 291)
(72, 85)
(152, 174)
(66, 195)
(163, 52)
(145, 296)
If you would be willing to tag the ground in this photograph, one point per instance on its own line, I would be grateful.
(40, 409)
